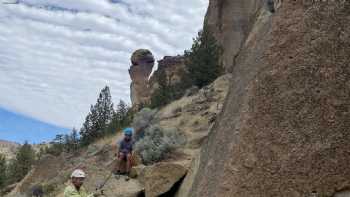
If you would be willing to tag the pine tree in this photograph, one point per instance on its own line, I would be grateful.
(74, 139)
(121, 113)
(94, 121)
(203, 59)
(104, 108)
(120, 119)
(67, 144)
(3, 170)
(97, 120)
(85, 131)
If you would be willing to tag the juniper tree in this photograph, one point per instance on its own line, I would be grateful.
(22, 163)
(203, 59)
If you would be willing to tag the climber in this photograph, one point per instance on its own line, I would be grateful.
(76, 189)
(124, 155)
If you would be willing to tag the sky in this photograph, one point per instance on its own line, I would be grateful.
(29, 129)
(56, 55)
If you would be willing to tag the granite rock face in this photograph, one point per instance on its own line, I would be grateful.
(284, 130)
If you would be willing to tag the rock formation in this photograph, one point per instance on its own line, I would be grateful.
(143, 85)
(170, 66)
(142, 62)
(230, 22)
(284, 130)
(161, 177)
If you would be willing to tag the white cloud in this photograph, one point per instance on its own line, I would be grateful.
(56, 55)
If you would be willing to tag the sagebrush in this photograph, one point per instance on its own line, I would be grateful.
(141, 121)
(157, 143)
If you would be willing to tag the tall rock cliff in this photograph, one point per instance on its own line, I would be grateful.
(142, 62)
(231, 22)
(284, 130)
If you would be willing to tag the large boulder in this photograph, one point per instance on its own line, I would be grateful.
(161, 177)
(284, 130)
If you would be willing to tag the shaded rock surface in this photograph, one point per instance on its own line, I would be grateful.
(161, 177)
(284, 130)
(185, 188)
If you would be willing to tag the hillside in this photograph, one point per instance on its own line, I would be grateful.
(8, 148)
(193, 115)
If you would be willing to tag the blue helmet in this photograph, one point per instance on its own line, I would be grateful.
(128, 131)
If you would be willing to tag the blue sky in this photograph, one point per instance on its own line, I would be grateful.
(56, 55)
(20, 128)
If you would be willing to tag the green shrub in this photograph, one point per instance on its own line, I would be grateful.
(141, 121)
(158, 143)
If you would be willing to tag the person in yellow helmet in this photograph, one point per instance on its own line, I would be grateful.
(76, 189)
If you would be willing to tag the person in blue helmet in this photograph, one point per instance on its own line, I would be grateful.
(124, 155)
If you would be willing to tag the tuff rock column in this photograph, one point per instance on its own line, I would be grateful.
(142, 62)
